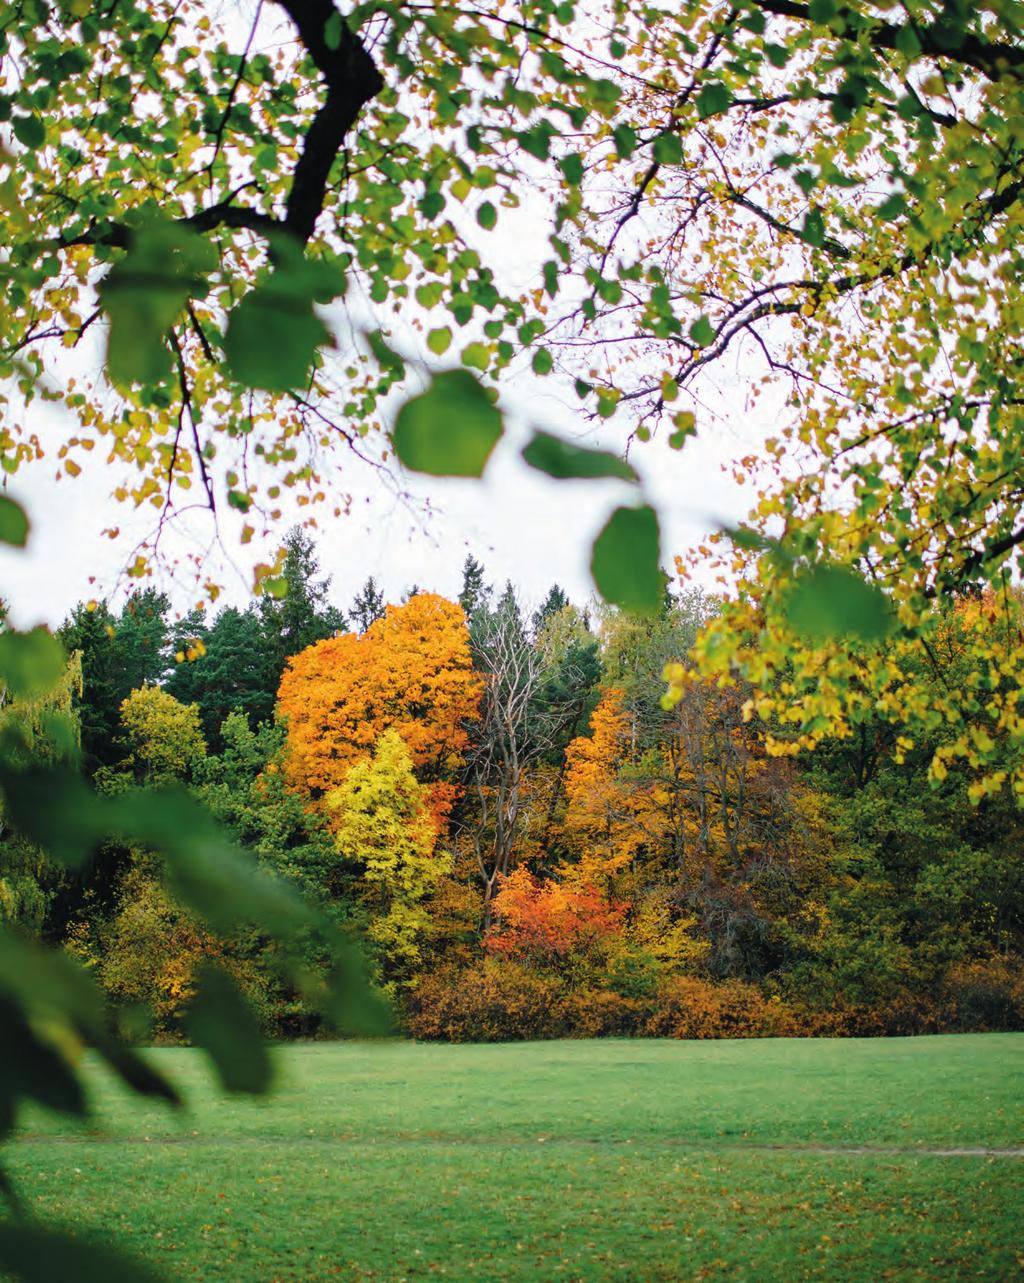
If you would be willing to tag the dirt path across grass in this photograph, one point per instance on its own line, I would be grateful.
(669, 1142)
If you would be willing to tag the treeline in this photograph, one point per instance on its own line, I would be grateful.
(529, 841)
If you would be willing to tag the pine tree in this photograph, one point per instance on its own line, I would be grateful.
(368, 607)
(142, 641)
(555, 601)
(476, 593)
(233, 676)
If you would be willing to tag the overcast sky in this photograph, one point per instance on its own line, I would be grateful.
(522, 525)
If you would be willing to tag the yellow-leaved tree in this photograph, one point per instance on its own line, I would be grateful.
(383, 823)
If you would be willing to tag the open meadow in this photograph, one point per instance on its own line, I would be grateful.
(626, 1160)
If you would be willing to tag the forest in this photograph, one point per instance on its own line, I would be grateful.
(528, 838)
(260, 258)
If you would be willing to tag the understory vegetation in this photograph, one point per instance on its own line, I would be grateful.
(530, 844)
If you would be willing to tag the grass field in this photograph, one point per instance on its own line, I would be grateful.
(633, 1161)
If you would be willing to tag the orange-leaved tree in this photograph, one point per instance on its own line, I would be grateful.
(610, 816)
(543, 921)
(410, 671)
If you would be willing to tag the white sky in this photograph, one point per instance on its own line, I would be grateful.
(522, 525)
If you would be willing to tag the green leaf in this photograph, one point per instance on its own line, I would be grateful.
(822, 11)
(487, 215)
(477, 356)
(440, 340)
(668, 150)
(13, 523)
(572, 167)
(37, 1070)
(752, 540)
(145, 292)
(30, 663)
(625, 561)
(272, 337)
(537, 141)
(702, 332)
(814, 227)
(219, 1020)
(386, 356)
(713, 98)
(51, 987)
(564, 460)
(625, 140)
(449, 430)
(36, 1255)
(54, 807)
(332, 31)
(29, 131)
(543, 362)
(827, 603)
(907, 41)
(892, 206)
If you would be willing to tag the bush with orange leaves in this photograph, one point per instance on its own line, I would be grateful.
(411, 671)
(494, 1001)
(685, 1007)
(499, 1000)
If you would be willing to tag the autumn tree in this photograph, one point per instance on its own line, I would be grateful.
(411, 671)
(163, 737)
(384, 824)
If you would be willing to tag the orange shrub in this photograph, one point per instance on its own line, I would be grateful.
(686, 1007)
(495, 1001)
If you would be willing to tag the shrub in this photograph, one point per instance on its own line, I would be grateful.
(987, 995)
(685, 1007)
(600, 1013)
(495, 1001)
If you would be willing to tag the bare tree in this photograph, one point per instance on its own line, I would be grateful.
(529, 700)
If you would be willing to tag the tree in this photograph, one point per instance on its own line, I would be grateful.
(297, 612)
(369, 605)
(527, 702)
(555, 601)
(410, 671)
(142, 639)
(383, 823)
(89, 633)
(120, 653)
(475, 594)
(163, 737)
(234, 674)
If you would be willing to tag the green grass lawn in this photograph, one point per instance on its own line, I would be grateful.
(638, 1161)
